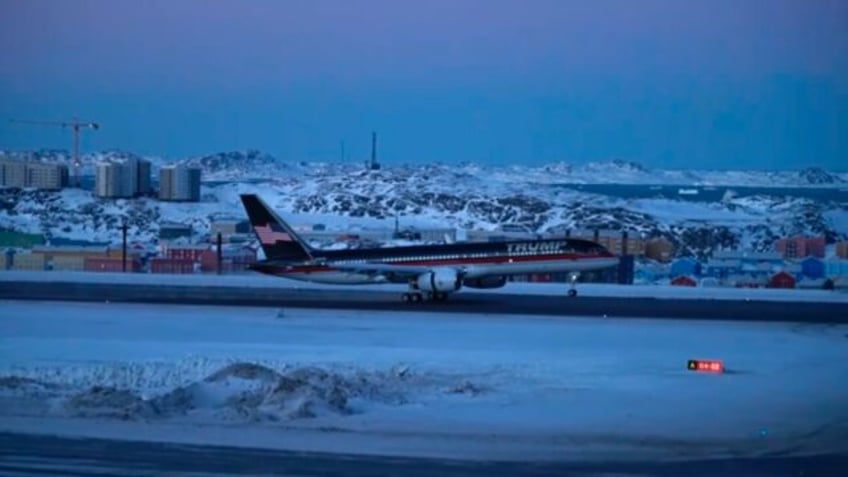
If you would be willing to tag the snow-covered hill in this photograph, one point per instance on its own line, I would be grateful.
(253, 164)
(467, 196)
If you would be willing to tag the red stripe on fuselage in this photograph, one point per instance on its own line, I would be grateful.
(497, 259)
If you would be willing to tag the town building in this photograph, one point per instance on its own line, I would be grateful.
(722, 268)
(727, 263)
(122, 177)
(69, 258)
(28, 261)
(801, 246)
(172, 231)
(782, 279)
(842, 249)
(659, 249)
(179, 183)
(834, 268)
(39, 175)
(812, 267)
(185, 252)
(227, 227)
(6, 259)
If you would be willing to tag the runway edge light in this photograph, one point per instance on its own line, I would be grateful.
(705, 365)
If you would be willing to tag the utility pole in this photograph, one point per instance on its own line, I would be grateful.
(76, 125)
(220, 253)
(124, 247)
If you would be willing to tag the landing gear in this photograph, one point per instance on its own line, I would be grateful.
(572, 282)
(437, 296)
(411, 298)
(418, 297)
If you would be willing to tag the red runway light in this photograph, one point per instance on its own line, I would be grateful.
(705, 365)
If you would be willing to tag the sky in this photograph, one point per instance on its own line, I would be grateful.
(720, 84)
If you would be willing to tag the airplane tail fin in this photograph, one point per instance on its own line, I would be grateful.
(278, 240)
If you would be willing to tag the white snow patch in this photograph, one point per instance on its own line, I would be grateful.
(545, 386)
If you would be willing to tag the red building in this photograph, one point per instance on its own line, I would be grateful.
(801, 246)
(684, 281)
(187, 252)
(842, 249)
(782, 280)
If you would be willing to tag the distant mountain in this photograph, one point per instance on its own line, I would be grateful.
(255, 164)
(817, 176)
(242, 165)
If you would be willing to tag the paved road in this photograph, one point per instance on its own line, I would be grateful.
(494, 303)
(22, 454)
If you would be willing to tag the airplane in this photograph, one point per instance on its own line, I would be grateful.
(431, 271)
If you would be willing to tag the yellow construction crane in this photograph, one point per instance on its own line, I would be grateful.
(76, 125)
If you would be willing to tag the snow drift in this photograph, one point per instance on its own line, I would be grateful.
(240, 391)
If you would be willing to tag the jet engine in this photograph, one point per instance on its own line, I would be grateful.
(485, 282)
(439, 280)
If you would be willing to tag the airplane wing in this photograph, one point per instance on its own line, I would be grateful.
(389, 270)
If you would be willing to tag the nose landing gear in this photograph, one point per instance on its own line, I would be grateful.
(572, 283)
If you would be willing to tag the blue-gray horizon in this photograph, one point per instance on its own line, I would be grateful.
(703, 85)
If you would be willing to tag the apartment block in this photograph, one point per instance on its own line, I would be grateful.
(179, 183)
(39, 175)
(801, 246)
(124, 177)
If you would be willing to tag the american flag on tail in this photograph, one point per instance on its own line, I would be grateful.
(269, 236)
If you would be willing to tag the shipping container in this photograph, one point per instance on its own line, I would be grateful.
(28, 261)
(172, 265)
(67, 263)
(111, 264)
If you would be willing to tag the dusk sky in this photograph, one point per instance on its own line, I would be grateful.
(757, 84)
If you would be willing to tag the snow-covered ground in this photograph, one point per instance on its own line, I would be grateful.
(520, 288)
(490, 387)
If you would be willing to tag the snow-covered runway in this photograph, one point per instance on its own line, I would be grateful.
(491, 387)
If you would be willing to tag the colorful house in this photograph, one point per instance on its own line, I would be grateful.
(722, 268)
(782, 279)
(684, 281)
(685, 266)
(836, 268)
(734, 262)
(812, 268)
